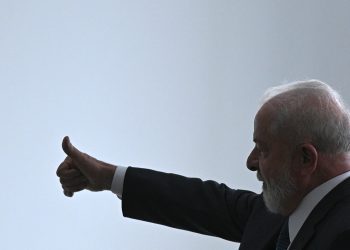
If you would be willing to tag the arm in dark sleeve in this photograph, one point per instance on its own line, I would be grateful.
(204, 207)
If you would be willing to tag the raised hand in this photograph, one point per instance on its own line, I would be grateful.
(80, 171)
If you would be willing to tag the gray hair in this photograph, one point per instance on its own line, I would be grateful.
(310, 110)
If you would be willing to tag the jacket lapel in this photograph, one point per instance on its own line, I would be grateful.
(318, 214)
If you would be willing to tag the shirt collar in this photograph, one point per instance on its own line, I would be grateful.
(298, 217)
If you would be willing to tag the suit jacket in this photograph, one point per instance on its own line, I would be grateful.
(214, 209)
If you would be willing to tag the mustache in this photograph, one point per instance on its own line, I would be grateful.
(259, 176)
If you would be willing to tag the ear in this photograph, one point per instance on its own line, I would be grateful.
(309, 158)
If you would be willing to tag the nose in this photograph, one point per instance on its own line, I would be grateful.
(253, 160)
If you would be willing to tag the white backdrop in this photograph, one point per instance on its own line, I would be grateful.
(170, 85)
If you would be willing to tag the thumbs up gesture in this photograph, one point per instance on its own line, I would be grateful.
(80, 171)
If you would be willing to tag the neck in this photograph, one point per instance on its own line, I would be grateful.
(328, 167)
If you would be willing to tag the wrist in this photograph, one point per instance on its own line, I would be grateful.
(108, 173)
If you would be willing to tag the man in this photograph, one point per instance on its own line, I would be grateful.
(301, 154)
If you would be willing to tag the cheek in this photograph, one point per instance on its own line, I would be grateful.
(268, 169)
(264, 169)
(296, 177)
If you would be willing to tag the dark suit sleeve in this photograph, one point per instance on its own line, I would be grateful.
(204, 207)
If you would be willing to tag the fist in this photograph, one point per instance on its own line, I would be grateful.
(80, 171)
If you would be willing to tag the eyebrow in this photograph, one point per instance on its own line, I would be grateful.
(256, 140)
(261, 143)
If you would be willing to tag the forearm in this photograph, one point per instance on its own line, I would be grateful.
(204, 207)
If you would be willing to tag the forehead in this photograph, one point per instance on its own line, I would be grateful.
(264, 132)
(263, 120)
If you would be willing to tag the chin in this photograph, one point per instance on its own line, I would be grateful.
(278, 193)
(272, 205)
(275, 201)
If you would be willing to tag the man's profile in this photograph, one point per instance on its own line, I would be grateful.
(301, 155)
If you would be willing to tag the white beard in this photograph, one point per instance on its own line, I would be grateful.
(278, 190)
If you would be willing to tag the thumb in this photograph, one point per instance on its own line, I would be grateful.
(69, 149)
(79, 158)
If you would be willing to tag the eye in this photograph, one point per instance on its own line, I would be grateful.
(261, 151)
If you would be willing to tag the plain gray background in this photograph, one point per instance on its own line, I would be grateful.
(170, 85)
